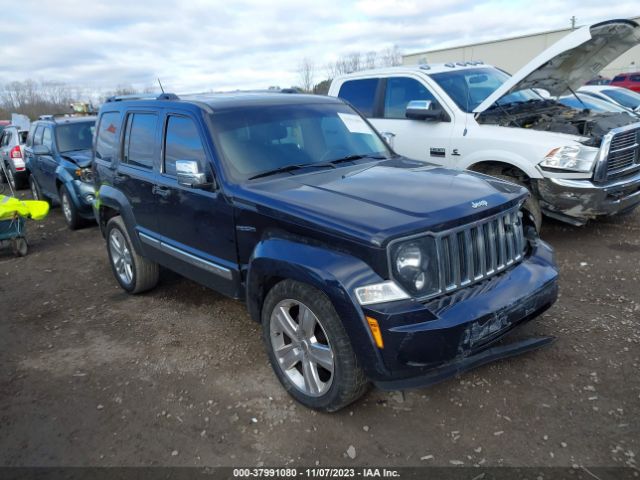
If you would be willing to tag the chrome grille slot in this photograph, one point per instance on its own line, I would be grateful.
(475, 252)
(624, 153)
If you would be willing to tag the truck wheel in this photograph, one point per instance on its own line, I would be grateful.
(309, 349)
(531, 205)
(69, 209)
(134, 273)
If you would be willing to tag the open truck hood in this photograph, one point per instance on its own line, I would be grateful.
(572, 61)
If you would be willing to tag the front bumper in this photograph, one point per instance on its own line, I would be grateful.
(84, 195)
(583, 199)
(427, 343)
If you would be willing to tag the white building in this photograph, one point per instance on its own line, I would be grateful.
(511, 54)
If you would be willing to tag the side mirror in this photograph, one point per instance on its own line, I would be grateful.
(388, 138)
(424, 110)
(41, 150)
(189, 175)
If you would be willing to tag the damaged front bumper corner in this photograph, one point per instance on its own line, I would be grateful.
(578, 201)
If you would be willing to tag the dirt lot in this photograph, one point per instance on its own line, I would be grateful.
(178, 376)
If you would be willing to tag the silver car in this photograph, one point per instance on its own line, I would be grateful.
(12, 142)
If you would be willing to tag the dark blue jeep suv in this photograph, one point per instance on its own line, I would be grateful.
(58, 157)
(361, 265)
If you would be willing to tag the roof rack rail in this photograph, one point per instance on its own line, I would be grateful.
(144, 96)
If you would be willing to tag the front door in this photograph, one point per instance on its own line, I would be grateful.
(418, 139)
(195, 225)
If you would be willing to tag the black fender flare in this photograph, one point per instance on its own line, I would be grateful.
(334, 273)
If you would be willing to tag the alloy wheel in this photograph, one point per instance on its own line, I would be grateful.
(121, 256)
(66, 208)
(301, 347)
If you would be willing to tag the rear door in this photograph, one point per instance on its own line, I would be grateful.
(139, 160)
(195, 225)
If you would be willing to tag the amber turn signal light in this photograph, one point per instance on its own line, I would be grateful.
(375, 331)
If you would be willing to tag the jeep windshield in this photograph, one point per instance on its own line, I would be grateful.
(75, 136)
(262, 141)
(469, 87)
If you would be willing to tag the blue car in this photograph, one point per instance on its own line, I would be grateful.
(58, 157)
(361, 265)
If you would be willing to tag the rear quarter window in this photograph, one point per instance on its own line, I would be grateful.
(361, 94)
(107, 137)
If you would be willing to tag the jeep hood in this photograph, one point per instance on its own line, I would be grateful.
(377, 202)
(572, 61)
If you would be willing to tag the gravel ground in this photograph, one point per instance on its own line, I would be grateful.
(179, 376)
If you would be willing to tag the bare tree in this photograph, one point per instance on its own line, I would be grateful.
(391, 57)
(370, 60)
(306, 73)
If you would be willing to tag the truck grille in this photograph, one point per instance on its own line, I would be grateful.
(624, 153)
(474, 252)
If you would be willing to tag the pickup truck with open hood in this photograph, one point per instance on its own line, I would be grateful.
(577, 164)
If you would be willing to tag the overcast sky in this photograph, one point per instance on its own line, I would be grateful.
(221, 45)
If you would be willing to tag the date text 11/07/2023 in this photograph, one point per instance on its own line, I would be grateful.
(315, 473)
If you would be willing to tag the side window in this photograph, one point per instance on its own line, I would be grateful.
(635, 78)
(32, 131)
(139, 142)
(619, 78)
(182, 142)
(108, 134)
(37, 137)
(361, 94)
(5, 139)
(46, 138)
(400, 91)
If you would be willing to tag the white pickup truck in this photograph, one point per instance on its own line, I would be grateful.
(577, 164)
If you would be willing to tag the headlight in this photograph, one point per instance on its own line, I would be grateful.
(380, 293)
(85, 175)
(571, 157)
(414, 265)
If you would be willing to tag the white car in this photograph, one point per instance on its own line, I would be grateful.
(577, 164)
(581, 101)
(619, 95)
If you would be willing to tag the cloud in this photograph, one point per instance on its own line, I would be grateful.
(213, 45)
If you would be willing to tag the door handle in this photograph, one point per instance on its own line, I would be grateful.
(162, 191)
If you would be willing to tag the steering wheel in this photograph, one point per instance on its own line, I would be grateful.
(339, 151)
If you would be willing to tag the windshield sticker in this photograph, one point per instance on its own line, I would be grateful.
(354, 123)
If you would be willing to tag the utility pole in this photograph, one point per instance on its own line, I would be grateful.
(573, 22)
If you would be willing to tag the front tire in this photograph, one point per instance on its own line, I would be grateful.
(531, 205)
(134, 273)
(309, 349)
(69, 209)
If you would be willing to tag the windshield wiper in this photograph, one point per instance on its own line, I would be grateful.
(289, 168)
(351, 158)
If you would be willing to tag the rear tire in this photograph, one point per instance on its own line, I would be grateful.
(36, 193)
(134, 273)
(312, 355)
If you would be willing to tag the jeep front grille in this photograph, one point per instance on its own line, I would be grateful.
(624, 153)
(477, 251)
